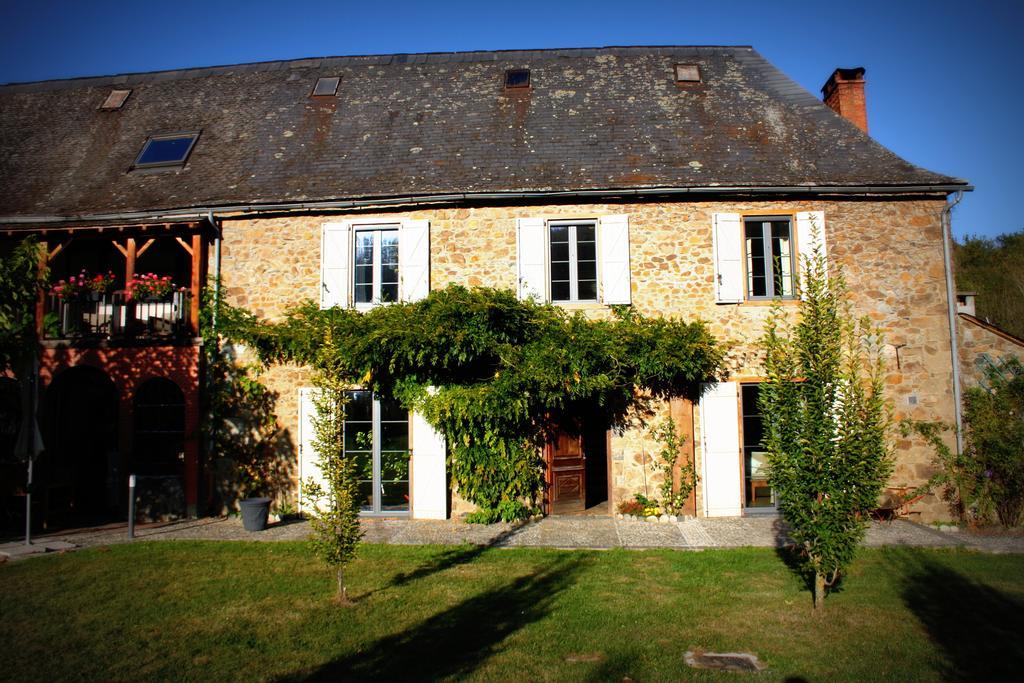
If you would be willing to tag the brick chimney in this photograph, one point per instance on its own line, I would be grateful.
(844, 93)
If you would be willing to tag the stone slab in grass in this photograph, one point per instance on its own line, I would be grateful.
(723, 661)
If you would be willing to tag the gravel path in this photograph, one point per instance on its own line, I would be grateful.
(556, 532)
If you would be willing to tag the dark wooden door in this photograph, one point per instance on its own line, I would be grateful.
(567, 474)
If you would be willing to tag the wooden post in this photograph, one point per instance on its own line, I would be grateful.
(44, 256)
(198, 262)
(129, 260)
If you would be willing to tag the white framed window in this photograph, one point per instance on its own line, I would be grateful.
(574, 260)
(365, 263)
(768, 249)
(761, 257)
(375, 266)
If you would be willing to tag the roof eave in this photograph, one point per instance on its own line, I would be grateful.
(177, 214)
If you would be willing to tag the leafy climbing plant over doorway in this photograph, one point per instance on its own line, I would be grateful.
(493, 373)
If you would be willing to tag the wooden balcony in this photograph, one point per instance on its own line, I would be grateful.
(114, 316)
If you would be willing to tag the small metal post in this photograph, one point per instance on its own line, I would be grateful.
(28, 505)
(131, 506)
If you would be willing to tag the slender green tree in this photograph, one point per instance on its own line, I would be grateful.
(335, 504)
(826, 423)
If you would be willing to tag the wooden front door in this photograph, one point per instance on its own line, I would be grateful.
(567, 472)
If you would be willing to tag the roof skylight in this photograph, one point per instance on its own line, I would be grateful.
(166, 150)
(517, 78)
(326, 87)
(115, 100)
(687, 73)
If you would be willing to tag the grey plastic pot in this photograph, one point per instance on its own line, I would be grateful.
(254, 513)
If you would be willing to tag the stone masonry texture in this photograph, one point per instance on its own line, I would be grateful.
(890, 249)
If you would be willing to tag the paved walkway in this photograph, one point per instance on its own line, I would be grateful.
(555, 532)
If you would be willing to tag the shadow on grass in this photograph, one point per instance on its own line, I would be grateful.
(456, 641)
(451, 558)
(978, 627)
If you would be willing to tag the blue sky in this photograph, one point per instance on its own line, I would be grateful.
(943, 77)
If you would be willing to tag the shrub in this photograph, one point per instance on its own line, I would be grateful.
(994, 417)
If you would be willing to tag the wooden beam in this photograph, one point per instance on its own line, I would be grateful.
(56, 250)
(185, 246)
(124, 252)
(144, 247)
(197, 253)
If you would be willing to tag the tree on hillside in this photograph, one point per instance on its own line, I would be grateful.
(994, 268)
(826, 424)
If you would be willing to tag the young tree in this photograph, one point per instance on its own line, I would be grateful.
(826, 423)
(335, 505)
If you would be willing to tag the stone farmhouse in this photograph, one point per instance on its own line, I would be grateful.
(682, 181)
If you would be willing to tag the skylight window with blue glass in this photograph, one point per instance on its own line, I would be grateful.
(166, 150)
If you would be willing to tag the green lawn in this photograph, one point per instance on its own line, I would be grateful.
(248, 611)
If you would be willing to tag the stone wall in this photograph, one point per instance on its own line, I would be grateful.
(891, 250)
(981, 344)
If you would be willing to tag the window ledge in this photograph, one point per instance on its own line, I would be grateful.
(580, 305)
(770, 302)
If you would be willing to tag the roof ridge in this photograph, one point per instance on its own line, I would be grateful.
(303, 62)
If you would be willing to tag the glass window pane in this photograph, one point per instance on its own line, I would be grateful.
(366, 496)
(587, 270)
(560, 271)
(364, 248)
(559, 251)
(389, 292)
(363, 294)
(560, 291)
(394, 496)
(586, 251)
(389, 246)
(392, 411)
(359, 406)
(165, 151)
(389, 274)
(588, 290)
(394, 466)
(394, 436)
(750, 394)
(358, 436)
(585, 233)
(753, 431)
(559, 233)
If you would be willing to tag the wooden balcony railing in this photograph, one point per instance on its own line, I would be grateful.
(115, 316)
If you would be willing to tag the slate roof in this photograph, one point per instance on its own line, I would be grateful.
(431, 124)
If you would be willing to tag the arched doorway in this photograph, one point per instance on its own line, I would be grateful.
(158, 449)
(80, 477)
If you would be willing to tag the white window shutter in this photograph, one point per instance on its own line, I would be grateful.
(335, 255)
(429, 481)
(531, 243)
(727, 240)
(414, 259)
(309, 459)
(719, 425)
(613, 240)
(810, 235)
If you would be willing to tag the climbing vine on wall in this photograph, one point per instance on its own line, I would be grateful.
(492, 373)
